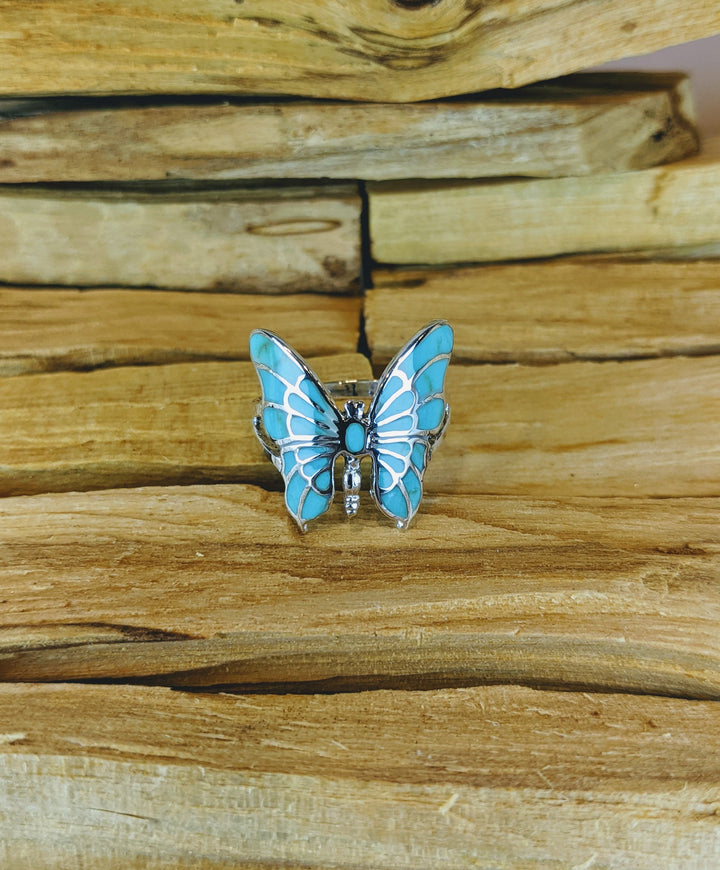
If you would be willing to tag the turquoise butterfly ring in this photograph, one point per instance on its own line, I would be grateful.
(399, 424)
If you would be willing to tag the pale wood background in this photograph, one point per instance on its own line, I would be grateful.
(527, 677)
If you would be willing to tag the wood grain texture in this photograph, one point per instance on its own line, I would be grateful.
(214, 586)
(553, 311)
(464, 221)
(47, 330)
(584, 124)
(633, 428)
(182, 423)
(274, 240)
(636, 428)
(399, 51)
(494, 777)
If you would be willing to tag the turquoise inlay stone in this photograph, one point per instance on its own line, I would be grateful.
(312, 392)
(392, 386)
(275, 422)
(322, 481)
(313, 505)
(438, 341)
(259, 344)
(301, 426)
(385, 479)
(431, 414)
(402, 402)
(401, 447)
(273, 389)
(266, 351)
(310, 469)
(394, 462)
(289, 461)
(305, 454)
(431, 381)
(306, 408)
(401, 426)
(355, 438)
(294, 489)
(394, 503)
(413, 487)
(418, 456)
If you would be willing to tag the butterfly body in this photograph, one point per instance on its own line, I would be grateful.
(304, 432)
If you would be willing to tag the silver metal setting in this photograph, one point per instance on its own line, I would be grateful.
(310, 431)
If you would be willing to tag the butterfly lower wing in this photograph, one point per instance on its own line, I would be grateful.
(301, 423)
(408, 416)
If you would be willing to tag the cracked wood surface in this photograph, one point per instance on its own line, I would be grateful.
(181, 423)
(475, 221)
(636, 428)
(553, 311)
(584, 124)
(381, 780)
(214, 586)
(378, 50)
(53, 329)
(275, 240)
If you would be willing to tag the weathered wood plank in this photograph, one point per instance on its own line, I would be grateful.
(403, 51)
(182, 423)
(633, 428)
(45, 330)
(493, 777)
(583, 124)
(214, 586)
(465, 221)
(636, 428)
(553, 311)
(275, 240)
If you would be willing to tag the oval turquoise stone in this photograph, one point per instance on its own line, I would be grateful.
(355, 438)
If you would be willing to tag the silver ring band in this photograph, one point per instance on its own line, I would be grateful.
(351, 389)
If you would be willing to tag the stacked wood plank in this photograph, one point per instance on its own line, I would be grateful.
(579, 125)
(366, 780)
(451, 222)
(527, 677)
(405, 50)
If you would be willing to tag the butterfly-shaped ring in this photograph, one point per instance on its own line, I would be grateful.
(303, 431)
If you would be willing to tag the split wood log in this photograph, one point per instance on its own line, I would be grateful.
(115, 776)
(465, 221)
(584, 124)
(552, 311)
(635, 428)
(182, 423)
(46, 330)
(398, 51)
(274, 240)
(214, 586)
(632, 428)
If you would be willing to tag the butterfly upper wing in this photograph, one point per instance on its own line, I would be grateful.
(301, 421)
(407, 416)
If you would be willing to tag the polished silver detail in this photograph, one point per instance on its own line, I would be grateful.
(354, 389)
(352, 479)
(399, 436)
